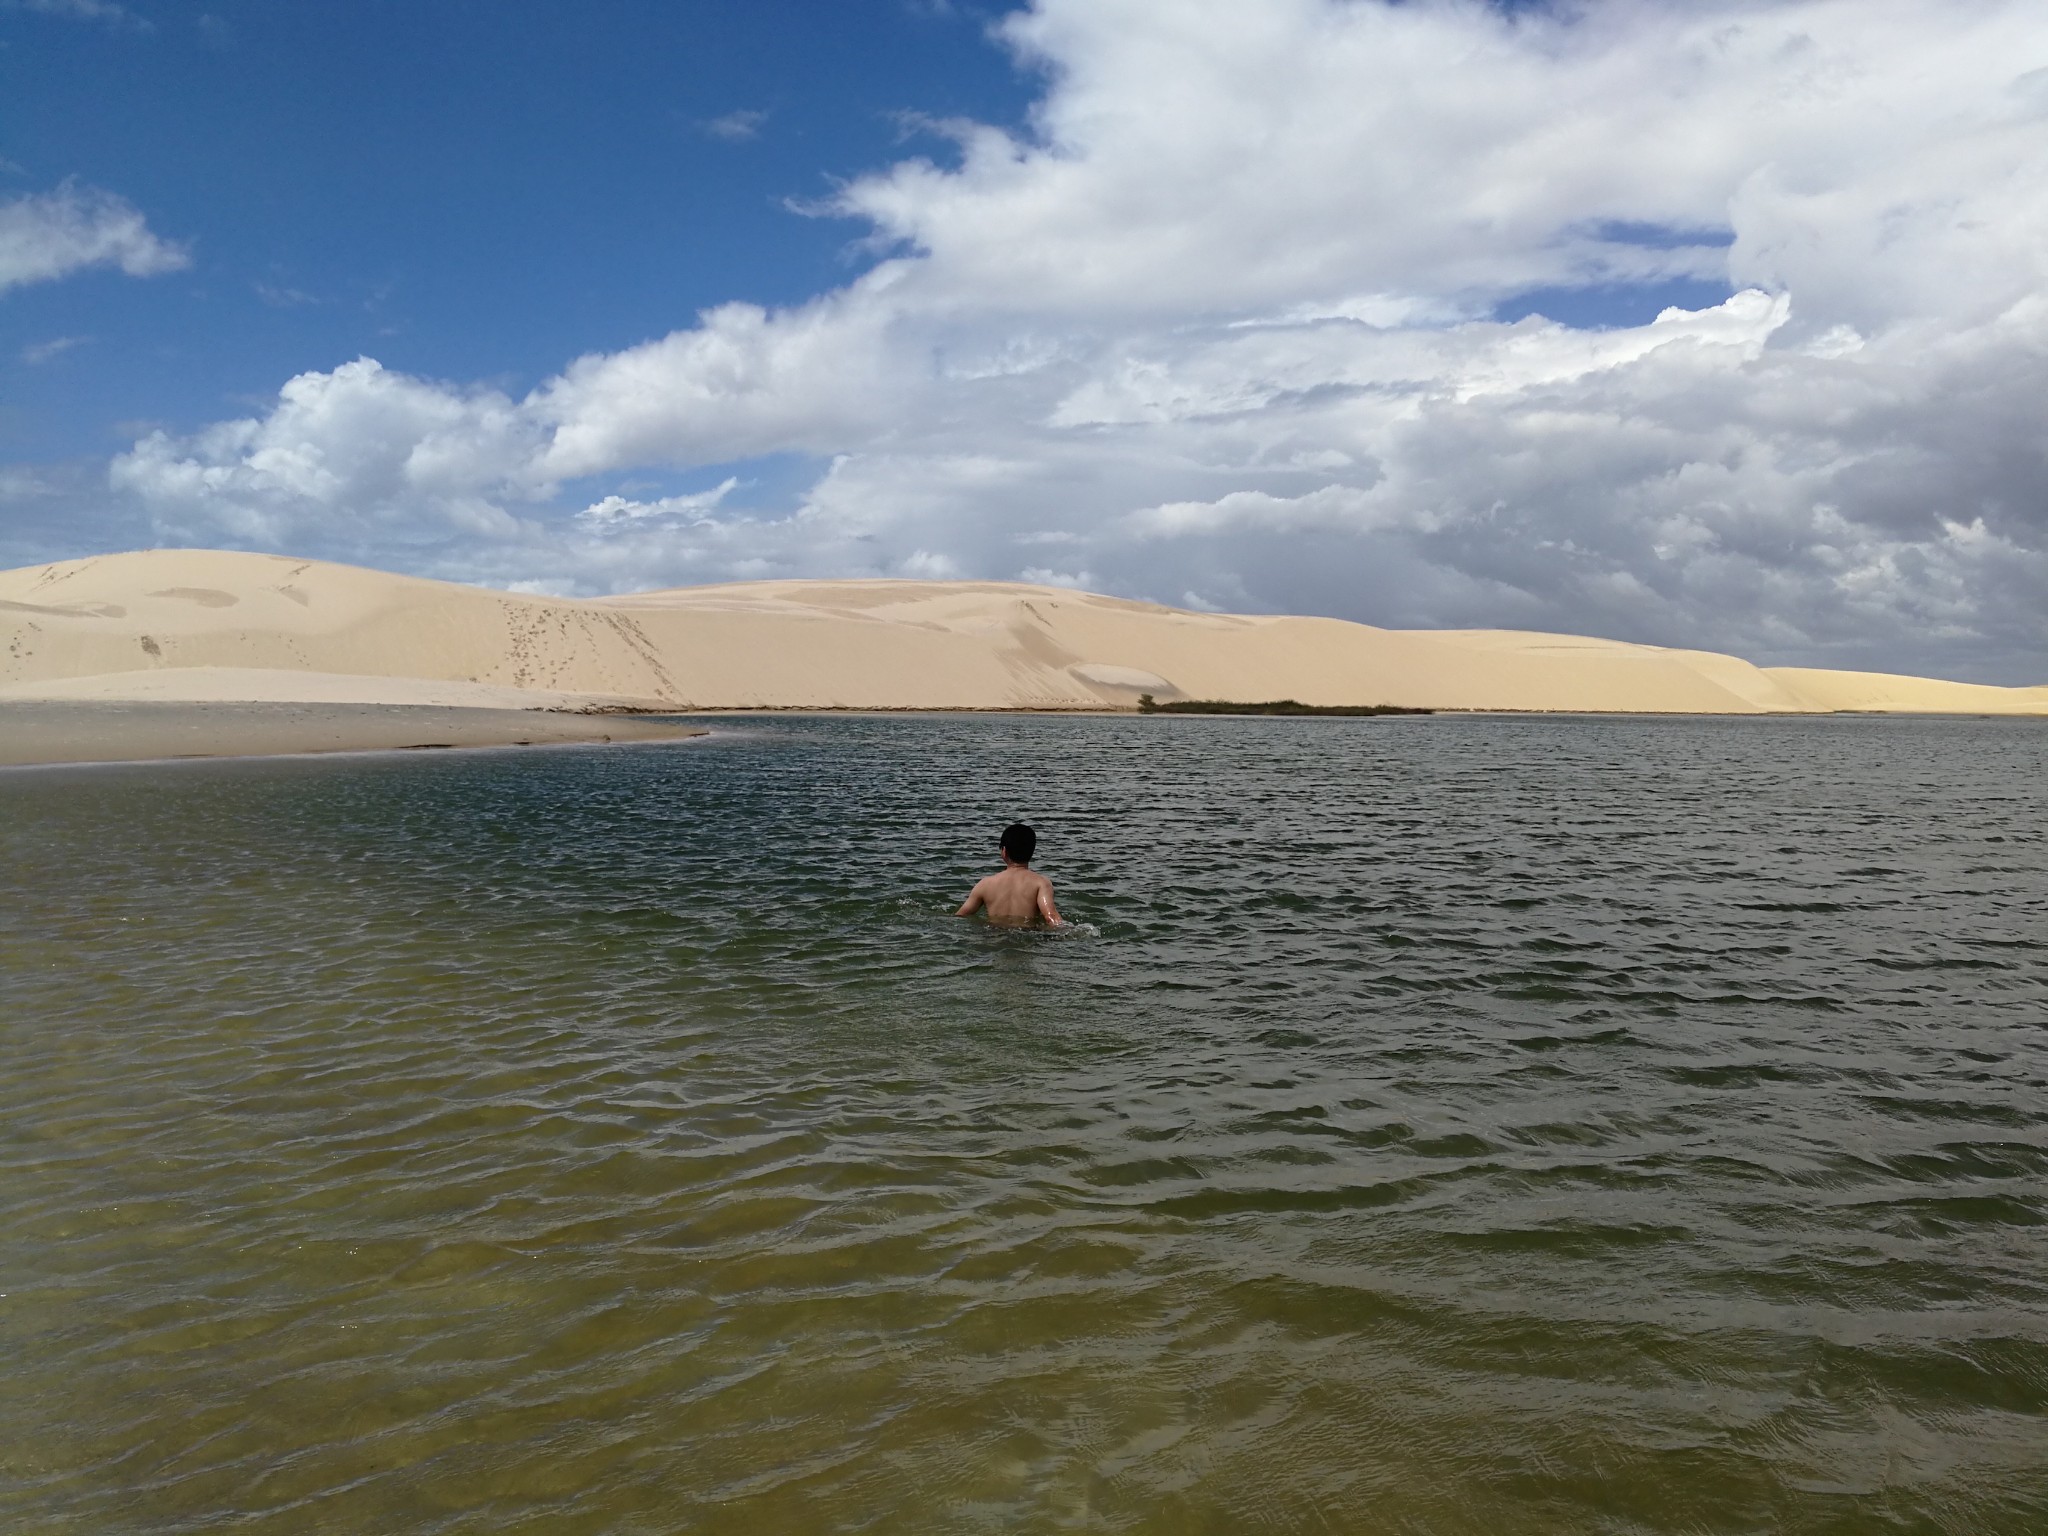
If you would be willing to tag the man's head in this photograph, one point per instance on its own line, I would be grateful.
(1018, 843)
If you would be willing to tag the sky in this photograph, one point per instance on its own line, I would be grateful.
(1705, 323)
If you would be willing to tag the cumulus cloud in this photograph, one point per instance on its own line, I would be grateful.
(53, 234)
(361, 446)
(1220, 330)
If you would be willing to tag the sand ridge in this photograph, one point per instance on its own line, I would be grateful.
(207, 624)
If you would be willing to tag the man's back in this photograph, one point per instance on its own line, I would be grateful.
(1019, 894)
(1016, 895)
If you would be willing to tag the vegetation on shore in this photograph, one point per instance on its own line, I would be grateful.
(1147, 705)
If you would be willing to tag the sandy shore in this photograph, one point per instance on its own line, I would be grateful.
(112, 731)
(197, 625)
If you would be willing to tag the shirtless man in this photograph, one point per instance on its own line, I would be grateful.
(1017, 895)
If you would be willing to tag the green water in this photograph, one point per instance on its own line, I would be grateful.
(1441, 1125)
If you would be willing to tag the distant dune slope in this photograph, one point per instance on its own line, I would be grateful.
(243, 626)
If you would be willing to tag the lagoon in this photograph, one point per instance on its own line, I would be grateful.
(1448, 1124)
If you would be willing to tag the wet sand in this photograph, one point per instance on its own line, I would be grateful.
(106, 731)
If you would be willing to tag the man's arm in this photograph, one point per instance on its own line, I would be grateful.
(974, 901)
(1046, 909)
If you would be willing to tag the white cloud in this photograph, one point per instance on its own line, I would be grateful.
(1209, 156)
(694, 507)
(53, 234)
(103, 11)
(743, 382)
(359, 447)
(42, 351)
(736, 127)
(21, 482)
(284, 296)
(1220, 327)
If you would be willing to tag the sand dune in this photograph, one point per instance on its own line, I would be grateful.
(201, 624)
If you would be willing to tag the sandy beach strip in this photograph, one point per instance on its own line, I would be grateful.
(122, 731)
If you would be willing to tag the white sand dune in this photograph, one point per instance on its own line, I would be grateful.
(209, 625)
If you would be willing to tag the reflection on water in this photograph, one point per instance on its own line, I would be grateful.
(1447, 1125)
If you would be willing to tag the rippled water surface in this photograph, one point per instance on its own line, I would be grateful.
(1443, 1125)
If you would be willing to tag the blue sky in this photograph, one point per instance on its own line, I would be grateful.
(463, 188)
(1708, 324)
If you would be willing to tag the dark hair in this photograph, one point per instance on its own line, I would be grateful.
(1019, 842)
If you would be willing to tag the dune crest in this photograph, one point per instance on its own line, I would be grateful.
(215, 625)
